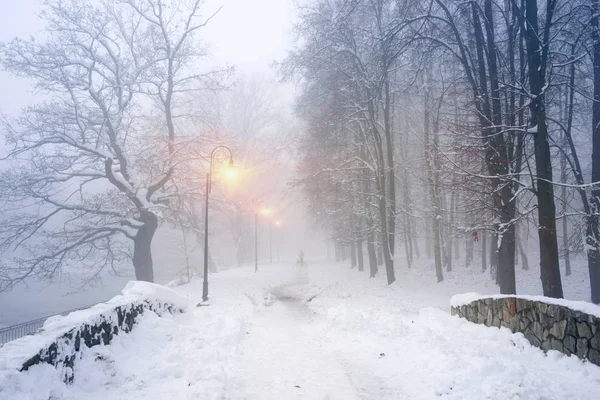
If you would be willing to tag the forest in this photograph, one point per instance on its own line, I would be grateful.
(440, 127)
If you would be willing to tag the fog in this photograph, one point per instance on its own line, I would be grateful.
(387, 136)
(249, 36)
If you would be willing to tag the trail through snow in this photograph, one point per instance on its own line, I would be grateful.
(284, 356)
(319, 333)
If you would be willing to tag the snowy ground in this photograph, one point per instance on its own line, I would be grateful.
(324, 332)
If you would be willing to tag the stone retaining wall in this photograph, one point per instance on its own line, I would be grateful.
(62, 339)
(547, 326)
(64, 351)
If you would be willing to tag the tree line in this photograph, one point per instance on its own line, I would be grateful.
(455, 122)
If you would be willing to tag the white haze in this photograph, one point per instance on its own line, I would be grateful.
(250, 35)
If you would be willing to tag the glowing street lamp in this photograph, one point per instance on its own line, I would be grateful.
(230, 173)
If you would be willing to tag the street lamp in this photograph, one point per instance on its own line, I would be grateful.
(208, 187)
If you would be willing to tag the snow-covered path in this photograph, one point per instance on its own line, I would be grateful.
(284, 356)
(319, 333)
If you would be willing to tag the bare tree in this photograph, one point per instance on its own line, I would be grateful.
(90, 173)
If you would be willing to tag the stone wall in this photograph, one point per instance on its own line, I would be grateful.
(64, 351)
(547, 326)
(62, 340)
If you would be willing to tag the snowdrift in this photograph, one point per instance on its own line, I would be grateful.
(570, 327)
(61, 339)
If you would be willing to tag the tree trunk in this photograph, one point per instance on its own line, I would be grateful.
(352, 254)
(373, 269)
(504, 201)
(142, 247)
(593, 224)
(359, 255)
(484, 251)
(494, 255)
(537, 56)
(524, 259)
(563, 190)
(433, 196)
(469, 245)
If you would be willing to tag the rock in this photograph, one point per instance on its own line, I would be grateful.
(595, 342)
(571, 327)
(569, 345)
(556, 344)
(532, 339)
(546, 321)
(523, 324)
(594, 357)
(558, 329)
(546, 345)
(582, 348)
(543, 307)
(538, 330)
(583, 330)
(496, 322)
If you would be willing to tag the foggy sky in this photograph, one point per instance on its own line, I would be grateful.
(249, 34)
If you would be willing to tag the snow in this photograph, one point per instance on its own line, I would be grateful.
(14, 354)
(322, 332)
(34, 299)
(583, 306)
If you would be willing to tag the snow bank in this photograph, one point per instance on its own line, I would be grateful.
(570, 327)
(60, 339)
(583, 306)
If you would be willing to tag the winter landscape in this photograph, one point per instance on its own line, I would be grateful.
(300, 199)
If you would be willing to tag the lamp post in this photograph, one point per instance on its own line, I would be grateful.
(208, 187)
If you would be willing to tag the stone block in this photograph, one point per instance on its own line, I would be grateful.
(595, 342)
(556, 344)
(496, 322)
(582, 348)
(546, 321)
(532, 338)
(571, 327)
(570, 344)
(538, 330)
(584, 330)
(594, 356)
(546, 345)
(558, 329)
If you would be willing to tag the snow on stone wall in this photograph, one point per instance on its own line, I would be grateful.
(550, 325)
(62, 339)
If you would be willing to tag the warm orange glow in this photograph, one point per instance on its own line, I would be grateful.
(231, 173)
(278, 223)
(265, 211)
